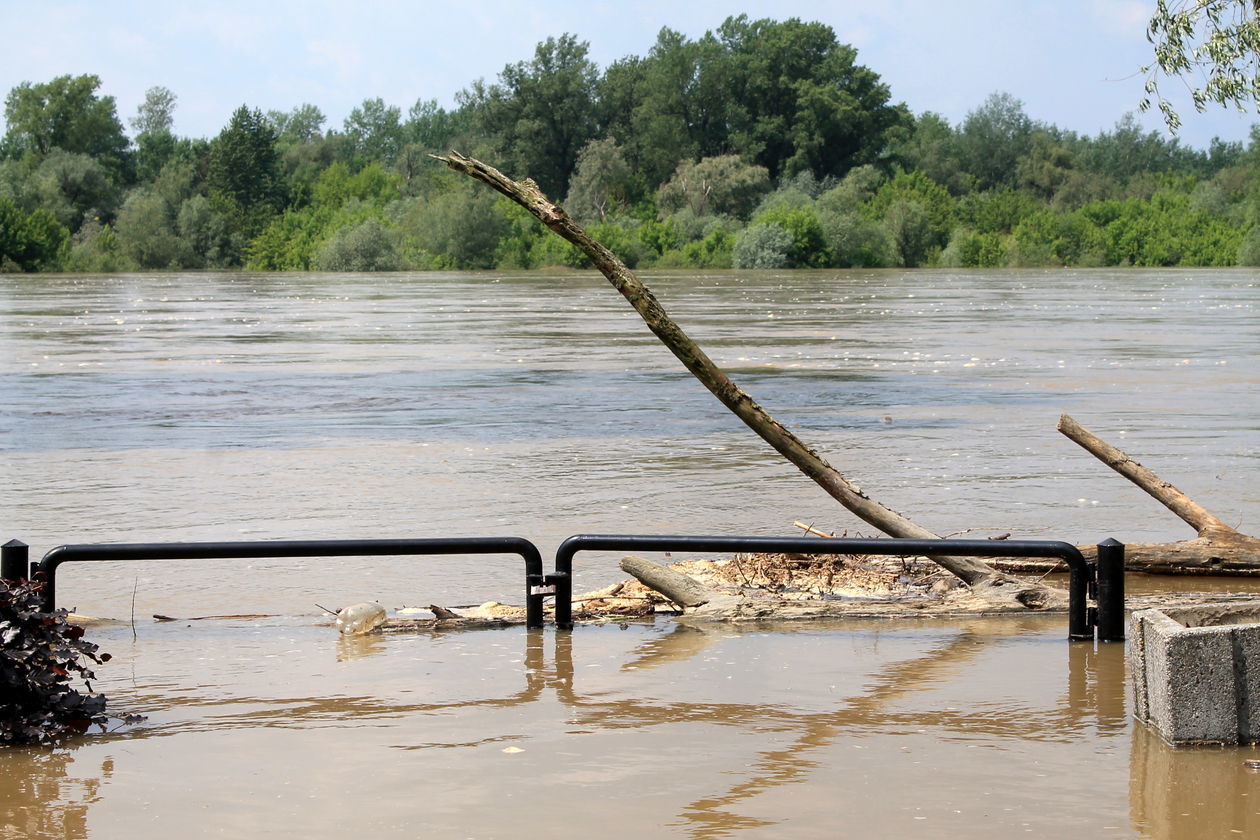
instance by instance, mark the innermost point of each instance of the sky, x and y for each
(1073, 63)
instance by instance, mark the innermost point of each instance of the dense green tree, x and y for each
(371, 184)
(290, 241)
(714, 250)
(244, 173)
(993, 139)
(1047, 167)
(147, 232)
(1163, 231)
(176, 183)
(75, 187)
(432, 127)
(1249, 247)
(809, 245)
(66, 114)
(541, 112)
(668, 106)
(855, 189)
(855, 241)
(910, 231)
(460, 228)
(855, 238)
(368, 246)
(207, 235)
(973, 249)
(996, 211)
(153, 151)
(1128, 150)
(924, 217)
(684, 226)
(932, 147)
(154, 124)
(95, 249)
(303, 124)
(1050, 238)
(796, 100)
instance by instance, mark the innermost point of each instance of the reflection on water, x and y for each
(45, 794)
(1186, 794)
(982, 728)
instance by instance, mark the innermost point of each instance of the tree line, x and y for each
(762, 144)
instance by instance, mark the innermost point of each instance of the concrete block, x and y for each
(1196, 672)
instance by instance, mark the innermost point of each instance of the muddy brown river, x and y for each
(182, 407)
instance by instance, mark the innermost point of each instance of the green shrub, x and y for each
(714, 251)
(809, 246)
(33, 241)
(762, 246)
(972, 249)
(367, 246)
(856, 241)
(1249, 249)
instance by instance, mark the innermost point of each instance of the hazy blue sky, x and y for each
(1073, 63)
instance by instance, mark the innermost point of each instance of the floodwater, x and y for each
(319, 406)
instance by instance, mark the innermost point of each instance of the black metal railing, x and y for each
(1082, 580)
(1103, 581)
(46, 569)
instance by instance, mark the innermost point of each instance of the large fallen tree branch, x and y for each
(980, 576)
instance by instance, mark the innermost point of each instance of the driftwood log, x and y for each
(1217, 550)
(683, 590)
(698, 602)
(985, 580)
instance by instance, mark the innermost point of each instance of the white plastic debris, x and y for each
(357, 619)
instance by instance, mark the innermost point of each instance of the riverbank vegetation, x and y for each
(760, 145)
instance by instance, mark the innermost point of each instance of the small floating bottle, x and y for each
(358, 619)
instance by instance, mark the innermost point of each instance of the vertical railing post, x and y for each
(1080, 584)
(15, 561)
(1111, 591)
(563, 584)
(535, 591)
